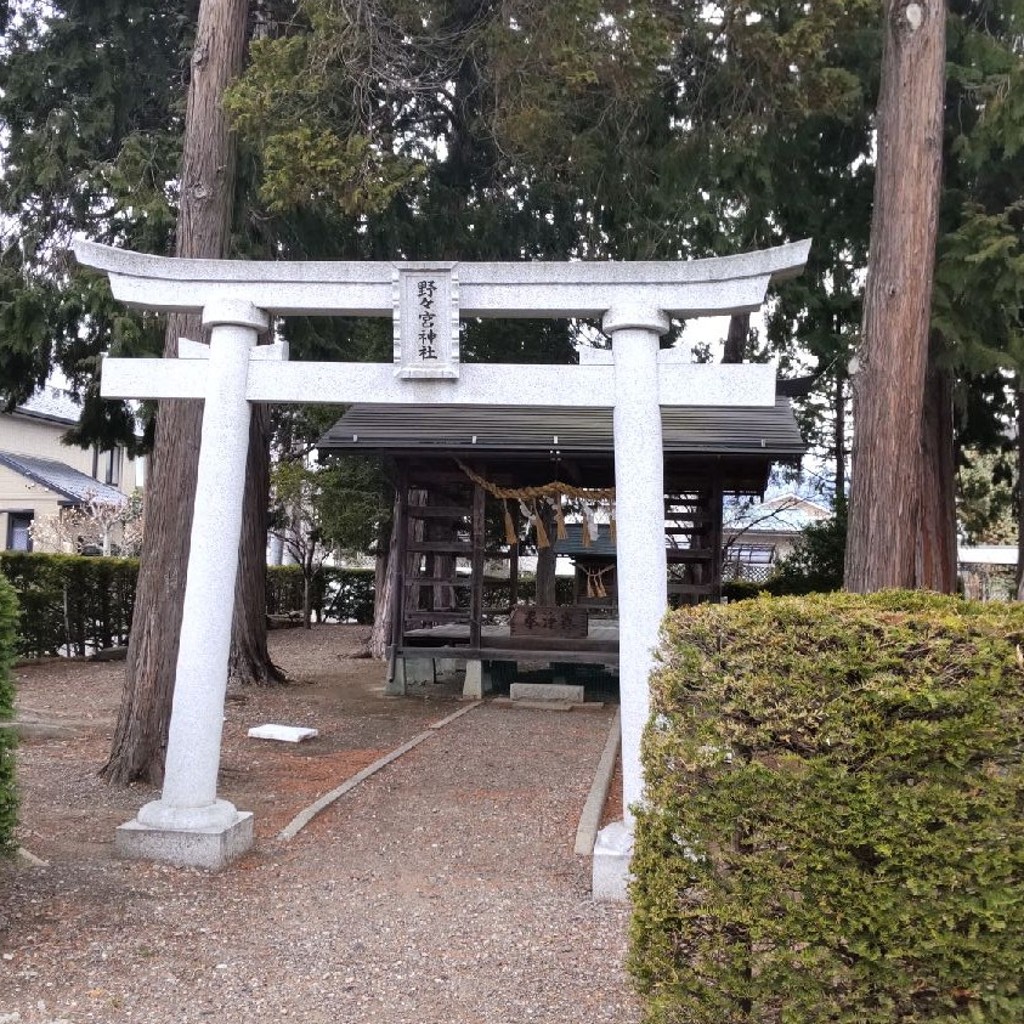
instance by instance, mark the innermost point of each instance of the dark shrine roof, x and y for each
(769, 432)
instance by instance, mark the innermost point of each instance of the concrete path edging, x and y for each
(304, 817)
(590, 818)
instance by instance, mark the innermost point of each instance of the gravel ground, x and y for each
(442, 889)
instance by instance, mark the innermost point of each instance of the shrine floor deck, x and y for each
(452, 640)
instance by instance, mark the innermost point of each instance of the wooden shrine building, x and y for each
(471, 479)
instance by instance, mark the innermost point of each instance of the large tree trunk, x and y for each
(546, 589)
(936, 540)
(885, 499)
(840, 435)
(384, 589)
(204, 221)
(250, 660)
(736, 340)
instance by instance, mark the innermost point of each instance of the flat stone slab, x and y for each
(283, 733)
(210, 848)
(546, 691)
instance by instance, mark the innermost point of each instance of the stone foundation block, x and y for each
(211, 848)
(477, 683)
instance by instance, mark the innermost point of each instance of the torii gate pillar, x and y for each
(189, 824)
(642, 570)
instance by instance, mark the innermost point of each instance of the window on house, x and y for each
(112, 468)
(107, 466)
(19, 535)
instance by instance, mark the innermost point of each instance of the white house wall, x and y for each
(18, 494)
(25, 435)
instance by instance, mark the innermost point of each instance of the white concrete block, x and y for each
(477, 681)
(546, 691)
(613, 852)
(284, 733)
(210, 848)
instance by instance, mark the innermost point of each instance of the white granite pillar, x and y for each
(188, 824)
(640, 559)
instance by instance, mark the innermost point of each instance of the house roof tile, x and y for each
(59, 477)
(52, 404)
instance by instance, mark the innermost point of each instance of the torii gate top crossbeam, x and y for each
(723, 285)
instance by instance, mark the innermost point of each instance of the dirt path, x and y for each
(442, 889)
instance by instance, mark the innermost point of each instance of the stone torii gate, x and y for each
(237, 300)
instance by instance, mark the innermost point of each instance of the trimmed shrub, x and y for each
(71, 604)
(835, 819)
(8, 796)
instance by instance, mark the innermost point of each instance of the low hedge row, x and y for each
(835, 821)
(344, 595)
(70, 604)
(8, 795)
(73, 604)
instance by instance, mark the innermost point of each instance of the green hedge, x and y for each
(78, 605)
(71, 603)
(345, 595)
(8, 796)
(835, 825)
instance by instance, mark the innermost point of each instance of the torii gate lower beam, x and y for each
(189, 824)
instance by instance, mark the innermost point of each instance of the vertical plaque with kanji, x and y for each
(426, 321)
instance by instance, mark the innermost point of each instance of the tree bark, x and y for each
(384, 589)
(840, 435)
(936, 538)
(203, 230)
(736, 340)
(888, 390)
(547, 593)
(250, 663)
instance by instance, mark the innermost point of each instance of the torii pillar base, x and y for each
(210, 848)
